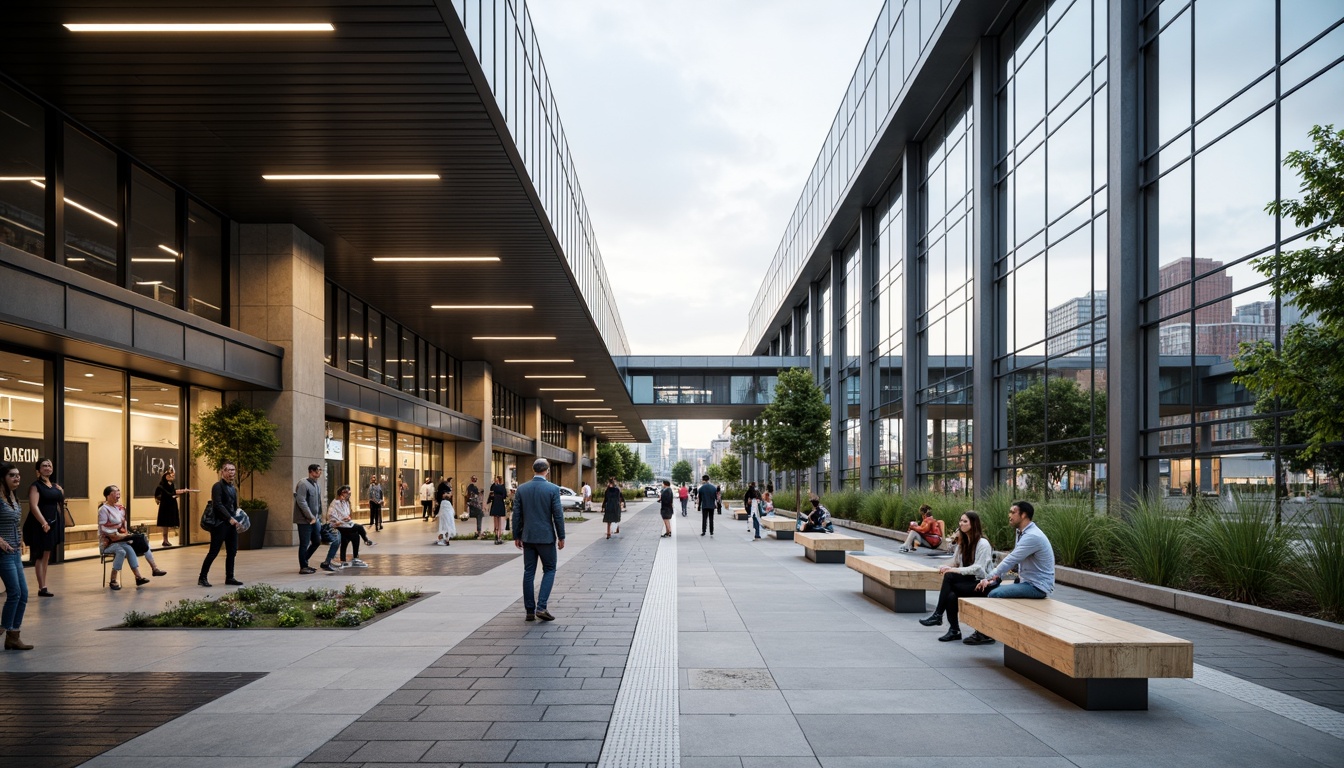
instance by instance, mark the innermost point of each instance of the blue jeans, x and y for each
(547, 553)
(1018, 590)
(756, 522)
(309, 540)
(121, 551)
(16, 589)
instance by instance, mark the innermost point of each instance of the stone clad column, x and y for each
(571, 475)
(280, 298)
(478, 397)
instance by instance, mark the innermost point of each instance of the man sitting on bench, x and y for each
(819, 519)
(1034, 559)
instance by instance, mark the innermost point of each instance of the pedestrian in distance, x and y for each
(427, 493)
(751, 501)
(587, 492)
(447, 522)
(223, 526)
(683, 495)
(170, 514)
(474, 508)
(376, 503)
(708, 496)
(539, 531)
(665, 508)
(308, 516)
(613, 504)
(1032, 557)
(11, 559)
(44, 529)
(499, 494)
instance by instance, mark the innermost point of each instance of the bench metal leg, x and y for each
(784, 535)
(826, 555)
(1091, 693)
(898, 600)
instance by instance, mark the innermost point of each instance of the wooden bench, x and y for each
(827, 547)
(1094, 661)
(896, 582)
(782, 526)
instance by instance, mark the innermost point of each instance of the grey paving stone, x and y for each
(502, 697)
(470, 751)
(879, 735)
(733, 703)
(728, 735)
(575, 697)
(393, 712)
(442, 698)
(593, 660)
(375, 731)
(557, 731)
(578, 712)
(552, 751)
(486, 712)
(537, 672)
(525, 683)
(334, 751)
(391, 751)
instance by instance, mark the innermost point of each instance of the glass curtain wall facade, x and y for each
(849, 342)
(1050, 189)
(1227, 90)
(356, 453)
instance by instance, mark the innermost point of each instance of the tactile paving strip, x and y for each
(644, 730)
(1304, 712)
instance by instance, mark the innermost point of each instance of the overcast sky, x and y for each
(693, 126)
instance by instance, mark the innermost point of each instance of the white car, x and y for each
(569, 499)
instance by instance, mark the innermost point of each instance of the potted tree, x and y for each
(234, 432)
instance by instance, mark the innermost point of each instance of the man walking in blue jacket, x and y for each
(538, 530)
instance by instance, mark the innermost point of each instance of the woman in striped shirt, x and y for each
(11, 561)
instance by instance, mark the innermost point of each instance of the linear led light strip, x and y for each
(68, 201)
(350, 176)
(427, 259)
(235, 27)
(480, 306)
(513, 338)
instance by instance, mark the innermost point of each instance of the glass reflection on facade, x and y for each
(92, 211)
(23, 174)
(889, 307)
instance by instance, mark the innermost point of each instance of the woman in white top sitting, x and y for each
(114, 538)
(338, 515)
(447, 523)
(971, 558)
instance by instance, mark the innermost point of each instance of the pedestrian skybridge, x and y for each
(740, 386)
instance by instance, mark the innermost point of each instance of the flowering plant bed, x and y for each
(262, 606)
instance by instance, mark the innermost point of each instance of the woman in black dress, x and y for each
(166, 495)
(498, 495)
(44, 528)
(613, 504)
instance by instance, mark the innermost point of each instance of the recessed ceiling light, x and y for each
(556, 360)
(513, 338)
(480, 306)
(592, 400)
(234, 27)
(568, 389)
(154, 261)
(556, 376)
(420, 259)
(351, 176)
(587, 409)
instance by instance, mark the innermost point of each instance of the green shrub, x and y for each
(327, 609)
(843, 504)
(893, 510)
(238, 617)
(1151, 544)
(349, 617)
(1076, 531)
(289, 617)
(315, 594)
(135, 619)
(1243, 554)
(1320, 563)
(870, 508)
(993, 509)
(255, 593)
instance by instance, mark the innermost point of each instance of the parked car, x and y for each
(651, 490)
(569, 499)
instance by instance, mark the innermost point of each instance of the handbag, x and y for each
(208, 515)
(69, 518)
(324, 533)
(139, 542)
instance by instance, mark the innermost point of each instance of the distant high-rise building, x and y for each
(662, 450)
(1069, 331)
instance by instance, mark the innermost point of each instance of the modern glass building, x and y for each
(368, 225)
(1060, 199)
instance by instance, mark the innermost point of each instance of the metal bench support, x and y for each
(898, 600)
(1091, 693)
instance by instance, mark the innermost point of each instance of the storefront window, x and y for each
(92, 215)
(23, 174)
(371, 454)
(155, 252)
(155, 434)
(22, 409)
(410, 474)
(94, 454)
(203, 475)
(334, 473)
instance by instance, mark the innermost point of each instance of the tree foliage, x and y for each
(796, 427)
(715, 473)
(1306, 375)
(731, 467)
(644, 473)
(233, 432)
(1056, 409)
(682, 472)
(609, 462)
(747, 438)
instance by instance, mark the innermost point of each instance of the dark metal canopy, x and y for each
(389, 91)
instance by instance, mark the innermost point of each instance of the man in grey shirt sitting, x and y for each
(1034, 559)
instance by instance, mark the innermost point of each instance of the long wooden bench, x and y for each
(782, 526)
(827, 547)
(896, 582)
(1094, 661)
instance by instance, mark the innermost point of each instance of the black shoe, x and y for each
(326, 567)
(702, 533)
(531, 617)
(44, 592)
(545, 616)
(950, 635)
(140, 582)
(978, 639)
(233, 582)
(201, 582)
(936, 620)
(304, 571)
(114, 586)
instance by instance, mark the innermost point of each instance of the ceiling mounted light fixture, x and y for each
(427, 259)
(480, 306)
(513, 338)
(556, 376)
(592, 400)
(350, 176)
(233, 27)
(568, 389)
(556, 360)
(576, 410)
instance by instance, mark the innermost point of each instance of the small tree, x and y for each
(609, 463)
(1307, 373)
(645, 473)
(795, 428)
(236, 433)
(731, 467)
(715, 473)
(682, 472)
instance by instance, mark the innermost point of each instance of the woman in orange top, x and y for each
(929, 532)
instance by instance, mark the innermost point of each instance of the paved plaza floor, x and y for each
(703, 652)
